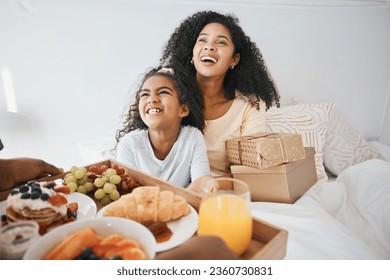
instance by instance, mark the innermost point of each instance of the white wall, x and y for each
(72, 63)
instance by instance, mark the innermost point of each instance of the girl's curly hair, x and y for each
(188, 94)
(250, 76)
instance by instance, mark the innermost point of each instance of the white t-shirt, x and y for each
(240, 120)
(186, 161)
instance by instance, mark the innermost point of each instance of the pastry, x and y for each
(43, 202)
(149, 204)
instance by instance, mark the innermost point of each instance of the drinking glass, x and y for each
(226, 213)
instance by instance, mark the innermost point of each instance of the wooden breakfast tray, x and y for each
(268, 242)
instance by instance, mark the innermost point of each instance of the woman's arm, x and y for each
(17, 170)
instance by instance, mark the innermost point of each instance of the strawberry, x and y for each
(58, 200)
(62, 189)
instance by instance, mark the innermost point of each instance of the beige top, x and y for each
(241, 119)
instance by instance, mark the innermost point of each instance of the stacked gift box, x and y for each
(276, 166)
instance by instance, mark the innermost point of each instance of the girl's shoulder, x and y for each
(190, 132)
(136, 135)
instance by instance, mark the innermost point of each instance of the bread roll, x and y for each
(149, 204)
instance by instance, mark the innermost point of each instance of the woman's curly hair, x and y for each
(250, 76)
(188, 94)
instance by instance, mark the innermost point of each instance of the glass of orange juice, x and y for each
(226, 213)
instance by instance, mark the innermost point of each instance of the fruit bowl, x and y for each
(103, 227)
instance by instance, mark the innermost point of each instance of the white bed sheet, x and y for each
(348, 218)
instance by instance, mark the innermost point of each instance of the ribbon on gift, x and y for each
(282, 146)
(247, 138)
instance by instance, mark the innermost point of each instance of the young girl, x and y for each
(162, 131)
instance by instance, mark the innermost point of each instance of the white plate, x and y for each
(86, 206)
(103, 227)
(182, 229)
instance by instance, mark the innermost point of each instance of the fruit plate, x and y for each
(86, 206)
(182, 229)
(103, 227)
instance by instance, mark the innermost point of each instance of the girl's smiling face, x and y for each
(159, 104)
(213, 51)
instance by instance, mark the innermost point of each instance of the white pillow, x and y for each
(310, 120)
(344, 147)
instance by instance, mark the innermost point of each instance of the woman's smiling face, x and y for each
(159, 104)
(213, 51)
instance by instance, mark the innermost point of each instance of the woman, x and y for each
(230, 72)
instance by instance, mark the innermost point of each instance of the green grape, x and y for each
(108, 187)
(115, 179)
(115, 195)
(88, 186)
(83, 180)
(99, 182)
(106, 178)
(70, 178)
(72, 186)
(74, 169)
(79, 174)
(82, 189)
(110, 171)
(84, 170)
(106, 200)
(99, 194)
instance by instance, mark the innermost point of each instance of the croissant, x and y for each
(149, 204)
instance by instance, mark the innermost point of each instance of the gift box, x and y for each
(284, 183)
(264, 150)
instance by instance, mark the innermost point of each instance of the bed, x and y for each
(346, 214)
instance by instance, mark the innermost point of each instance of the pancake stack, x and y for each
(43, 202)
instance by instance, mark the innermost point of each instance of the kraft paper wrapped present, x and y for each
(263, 150)
(284, 183)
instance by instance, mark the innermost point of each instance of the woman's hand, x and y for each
(17, 170)
(200, 248)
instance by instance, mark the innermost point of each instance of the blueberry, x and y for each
(36, 189)
(72, 214)
(24, 189)
(117, 258)
(44, 196)
(3, 218)
(14, 192)
(50, 185)
(25, 195)
(35, 195)
(30, 183)
(36, 185)
(93, 257)
(86, 253)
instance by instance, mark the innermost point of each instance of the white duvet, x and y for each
(348, 218)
